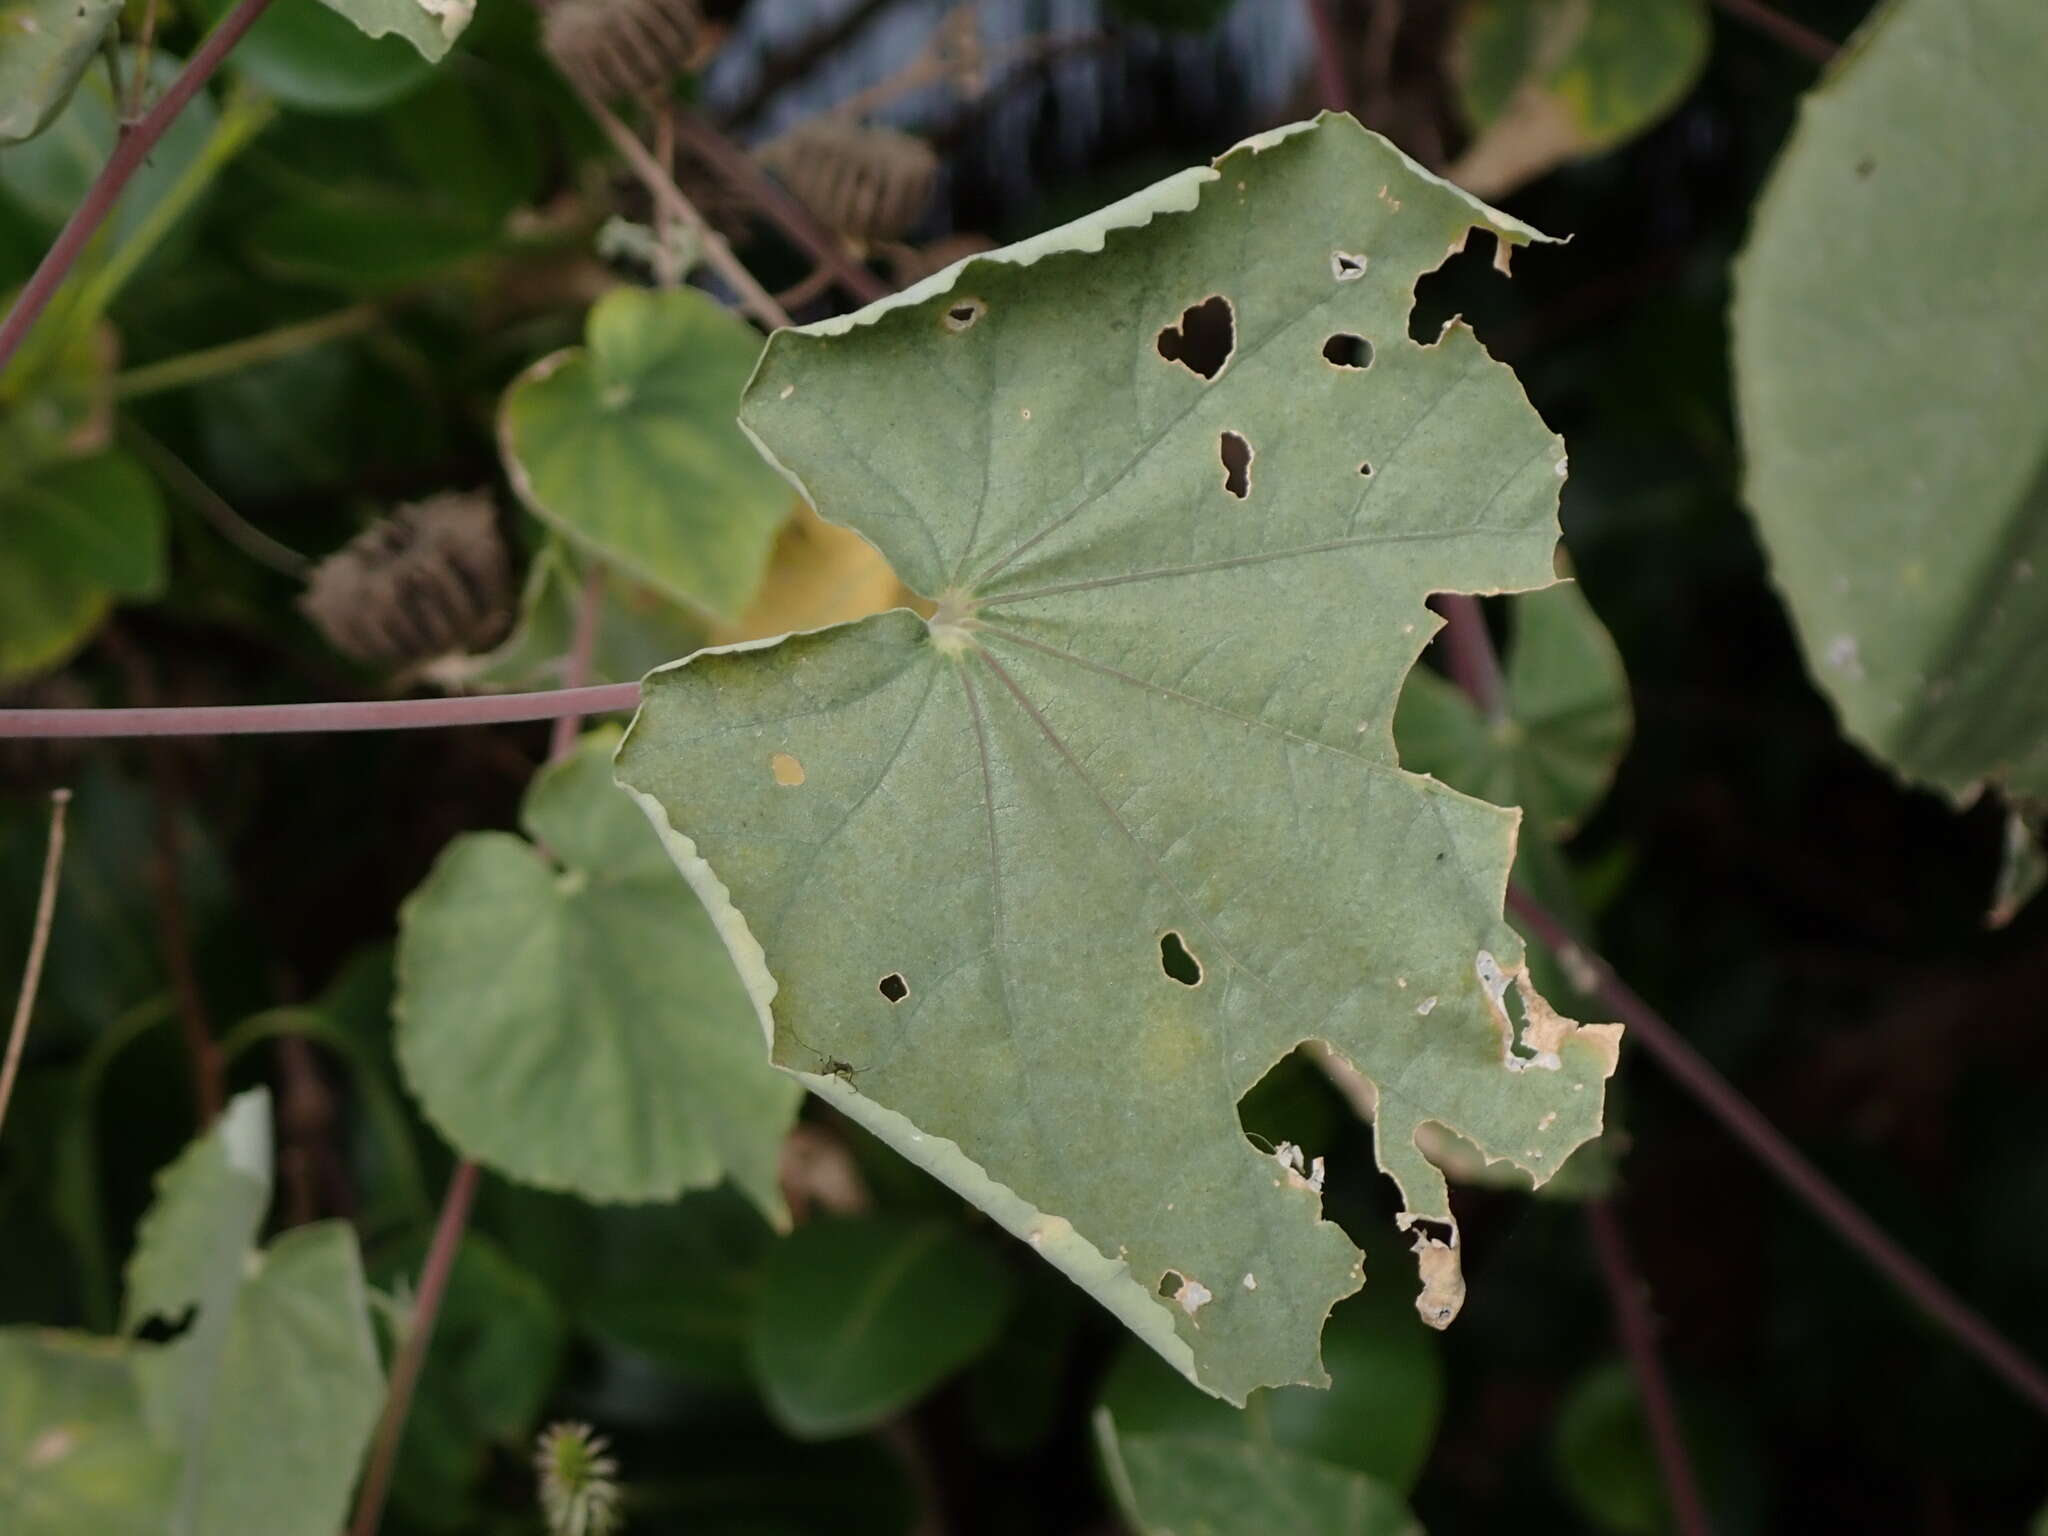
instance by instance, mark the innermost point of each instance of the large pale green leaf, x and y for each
(269, 1394)
(75, 1453)
(429, 25)
(45, 45)
(1190, 1485)
(569, 1017)
(962, 856)
(1893, 391)
(628, 445)
(858, 1318)
(77, 534)
(1546, 81)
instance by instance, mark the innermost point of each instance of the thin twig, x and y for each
(230, 357)
(209, 504)
(461, 1193)
(129, 110)
(1768, 1145)
(753, 298)
(782, 210)
(1797, 36)
(38, 946)
(129, 153)
(1331, 84)
(1638, 1332)
(174, 936)
(412, 1350)
(317, 719)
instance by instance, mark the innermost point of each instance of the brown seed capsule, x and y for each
(430, 579)
(870, 184)
(624, 47)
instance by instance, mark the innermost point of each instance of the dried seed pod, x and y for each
(624, 47)
(870, 184)
(428, 580)
(30, 763)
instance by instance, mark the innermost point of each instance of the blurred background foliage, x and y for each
(370, 251)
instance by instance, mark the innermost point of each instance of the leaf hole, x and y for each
(893, 987)
(1344, 350)
(1178, 961)
(165, 1328)
(1466, 286)
(1237, 465)
(1204, 339)
(787, 770)
(1171, 1282)
(1345, 267)
(962, 313)
(1365, 470)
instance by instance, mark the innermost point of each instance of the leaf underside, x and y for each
(1896, 434)
(1147, 712)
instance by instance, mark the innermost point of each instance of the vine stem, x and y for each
(1797, 36)
(130, 150)
(449, 1226)
(1638, 1333)
(753, 298)
(412, 1350)
(1331, 83)
(38, 947)
(341, 715)
(211, 362)
(1768, 1145)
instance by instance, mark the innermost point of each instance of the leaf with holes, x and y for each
(628, 446)
(567, 1015)
(269, 1394)
(1897, 446)
(1040, 880)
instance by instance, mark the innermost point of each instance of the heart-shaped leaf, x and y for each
(1041, 885)
(78, 533)
(858, 1318)
(269, 1395)
(628, 445)
(75, 1452)
(570, 1018)
(1190, 1485)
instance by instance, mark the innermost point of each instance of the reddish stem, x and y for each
(343, 715)
(1801, 39)
(412, 1350)
(130, 150)
(1331, 84)
(1768, 1145)
(1468, 653)
(1638, 1333)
